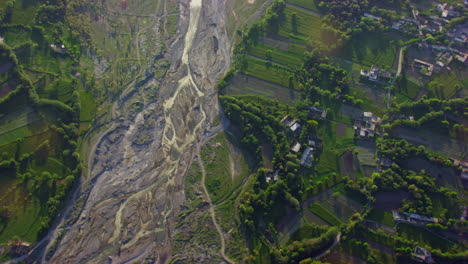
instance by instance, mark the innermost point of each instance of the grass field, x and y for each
(309, 4)
(308, 25)
(407, 87)
(323, 213)
(382, 217)
(88, 107)
(370, 49)
(224, 167)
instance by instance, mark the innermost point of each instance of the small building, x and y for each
(422, 64)
(396, 216)
(464, 216)
(386, 162)
(366, 126)
(372, 75)
(372, 16)
(288, 121)
(58, 48)
(270, 176)
(420, 218)
(317, 113)
(296, 127)
(296, 147)
(463, 58)
(422, 255)
(307, 157)
(276, 175)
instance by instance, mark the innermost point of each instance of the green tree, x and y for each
(294, 23)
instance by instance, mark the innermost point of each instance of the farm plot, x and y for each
(331, 202)
(308, 4)
(275, 55)
(337, 135)
(323, 213)
(268, 72)
(245, 84)
(349, 165)
(435, 142)
(308, 25)
(445, 176)
(389, 201)
(340, 257)
(341, 206)
(366, 152)
(424, 237)
(445, 85)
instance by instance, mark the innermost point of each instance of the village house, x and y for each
(270, 176)
(317, 113)
(375, 74)
(425, 68)
(464, 167)
(292, 124)
(413, 218)
(368, 15)
(366, 126)
(58, 48)
(464, 216)
(307, 156)
(447, 11)
(443, 59)
(386, 162)
(422, 255)
(296, 147)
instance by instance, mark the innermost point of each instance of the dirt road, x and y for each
(212, 209)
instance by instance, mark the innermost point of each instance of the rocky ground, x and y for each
(138, 165)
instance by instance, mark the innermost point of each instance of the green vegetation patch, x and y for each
(23, 10)
(444, 85)
(323, 213)
(424, 237)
